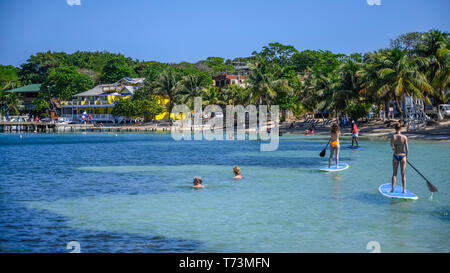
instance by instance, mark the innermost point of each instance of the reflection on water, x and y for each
(133, 193)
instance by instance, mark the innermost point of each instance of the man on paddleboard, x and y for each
(399, 144)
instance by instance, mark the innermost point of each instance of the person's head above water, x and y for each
(237, 172)
(197, 181)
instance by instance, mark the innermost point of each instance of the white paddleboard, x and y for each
(385, 190)
(340, 167)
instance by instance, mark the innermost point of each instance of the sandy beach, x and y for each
(379, 129)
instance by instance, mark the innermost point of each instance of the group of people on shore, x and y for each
(398, 142)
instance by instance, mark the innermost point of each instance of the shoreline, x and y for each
(373, 130)
(380, 130)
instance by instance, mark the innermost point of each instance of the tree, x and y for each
(152, 70)
(320, 61)
(41, 104)
(8, 77)
(277, 53)
(124, 107)
(167, 85)
(400, 76)
(211, 95)
(407, 41)
(116, 69)
(217, 64)
(63, 82)
(191, 86)
(264, 82)
(11, 102)
(434, 48)
(236, 94)
(148, 108)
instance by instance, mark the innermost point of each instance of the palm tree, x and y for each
(435, 49)
(11, 102)
(264, 82)
(401, 77)
(190, 87)
(370, 82)
(11, 85)
(211, 95)
(167, 84)
(235, 94)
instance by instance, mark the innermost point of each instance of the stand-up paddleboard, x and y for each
(341, 167)
(385, 190)
(354, 147)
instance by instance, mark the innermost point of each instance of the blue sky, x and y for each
(191, 30)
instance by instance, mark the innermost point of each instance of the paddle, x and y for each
(431, 187)
(322, 154)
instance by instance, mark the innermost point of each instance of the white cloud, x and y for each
(73, 2)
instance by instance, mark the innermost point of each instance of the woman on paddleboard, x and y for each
(399, 144)
(334, 144)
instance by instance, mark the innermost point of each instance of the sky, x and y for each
(192, 30)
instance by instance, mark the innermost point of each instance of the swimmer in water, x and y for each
(237, 172)
(399, 144)
(198, 182)
(335, 144)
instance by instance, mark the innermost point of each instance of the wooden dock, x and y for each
(27, 126)
(65, 128)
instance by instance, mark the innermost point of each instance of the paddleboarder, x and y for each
(334, 144)
(399, 144)
(354, 133)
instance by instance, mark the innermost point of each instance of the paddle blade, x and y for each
(322, 154)
(431, 187)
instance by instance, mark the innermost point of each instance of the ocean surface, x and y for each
(133, 193)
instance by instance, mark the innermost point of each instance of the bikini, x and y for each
(399, 157)
(334, 142)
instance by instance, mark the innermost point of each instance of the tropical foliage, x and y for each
(415, 64)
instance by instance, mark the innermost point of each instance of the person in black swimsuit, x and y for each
(399, 144)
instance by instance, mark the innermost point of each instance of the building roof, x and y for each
(132, 81)
(96, 91)
(36, 87)
(113, 88)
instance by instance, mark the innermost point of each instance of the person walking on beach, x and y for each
(399, 144)
(354, 133)
(334, 144)
(237, 172)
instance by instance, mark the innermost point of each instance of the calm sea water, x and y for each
(132, 193)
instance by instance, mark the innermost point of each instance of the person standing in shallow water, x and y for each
(399, 144)
(334, 144)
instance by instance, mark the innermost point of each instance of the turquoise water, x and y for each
(132, 193)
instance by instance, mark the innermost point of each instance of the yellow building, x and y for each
(99, 101)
